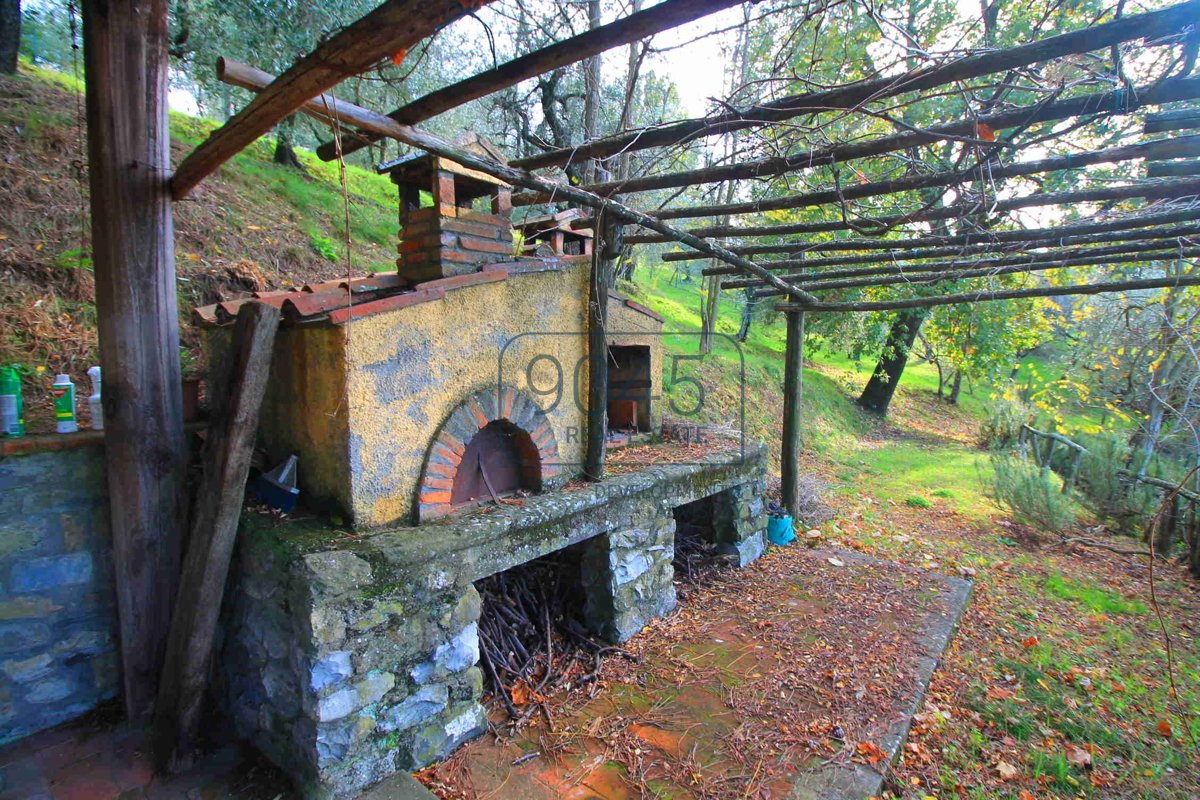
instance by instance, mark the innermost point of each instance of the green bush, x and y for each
(1032, 496)
(1124, 504)
(1002, 428)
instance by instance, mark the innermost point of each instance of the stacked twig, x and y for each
(532, 635)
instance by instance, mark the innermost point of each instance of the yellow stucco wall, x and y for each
(361, 403)
(411, 368)
(306, 411)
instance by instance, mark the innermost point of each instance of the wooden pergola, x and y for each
(133, 187)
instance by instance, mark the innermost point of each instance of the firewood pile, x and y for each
(532, 637)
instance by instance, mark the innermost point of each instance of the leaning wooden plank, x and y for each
(664, 16)
(1158, 24)
(327, 107)
(396, 25)
(214, 527)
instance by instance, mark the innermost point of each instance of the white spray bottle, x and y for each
(94, 405)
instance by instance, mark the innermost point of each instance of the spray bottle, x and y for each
(63, 392)
(94, 405)
(12, 404)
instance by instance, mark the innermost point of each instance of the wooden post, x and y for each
(125, 53)
(219, 503)
(793, 389)
(597, 340)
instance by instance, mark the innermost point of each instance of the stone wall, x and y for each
(349, 658)
(58, 651)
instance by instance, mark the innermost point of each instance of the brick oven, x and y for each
(413, 398)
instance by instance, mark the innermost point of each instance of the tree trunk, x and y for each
(10, 34)
(709, 306)
(591, 88)
(747, 316)
(955, 388)
(877, 395)
(285, 152)
(793, 417)
(125, 53)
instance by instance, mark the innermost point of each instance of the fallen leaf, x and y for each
(837, 562)
(870, 752)
(1030, 642)
(1007, 771)
(1026, 795)
(1078, 756)
(1164, 729)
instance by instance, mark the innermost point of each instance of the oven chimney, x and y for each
(453, 220)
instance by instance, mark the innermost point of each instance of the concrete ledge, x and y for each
(856, 781)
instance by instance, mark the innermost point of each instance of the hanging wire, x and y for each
(79, 165)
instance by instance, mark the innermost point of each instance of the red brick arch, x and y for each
(460, 427)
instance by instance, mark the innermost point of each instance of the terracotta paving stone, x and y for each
(786, 668)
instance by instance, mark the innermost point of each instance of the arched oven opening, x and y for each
(500, 460)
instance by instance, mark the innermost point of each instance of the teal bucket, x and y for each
(779, 531)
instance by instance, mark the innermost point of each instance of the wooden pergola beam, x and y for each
(818, 269)
(1080, 256)
(1109, 103)
(1154, 25)
(662, 17)
(327, 107)
(395, 25)
(924, 278)
(1151, 226)
(1164, 190)
(1104, 287)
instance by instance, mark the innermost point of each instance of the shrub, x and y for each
(324, 247)
(1128, 506)
(1032, 496)
(1002, 428)
(811, 500)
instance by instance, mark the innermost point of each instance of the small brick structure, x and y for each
(451, 236)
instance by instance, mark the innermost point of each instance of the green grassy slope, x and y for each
(254, 225)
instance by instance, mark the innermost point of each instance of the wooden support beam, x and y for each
(920, 277)
(133, 250)
(916, 250)
(1173, 169)
(840, 194)
(984, 296)
(327, 107)
(987, 207)
(870, 276)
(219, 500)
(791, 441)
(604, 258)
(394, 26)
(664, 16)
(1107, 103)
(1153, 26)
(1166, 121)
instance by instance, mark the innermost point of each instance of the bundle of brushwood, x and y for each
(532, 638)
(695, 556)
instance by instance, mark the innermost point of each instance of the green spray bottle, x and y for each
(12, 404)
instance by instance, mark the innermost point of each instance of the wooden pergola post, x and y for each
(603, 261)
(125, 52)
(793, 389)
